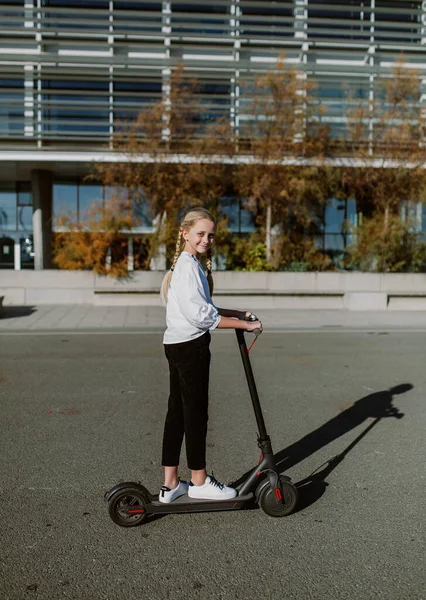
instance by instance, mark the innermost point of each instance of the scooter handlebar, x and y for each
(256, 332)
(251, 317)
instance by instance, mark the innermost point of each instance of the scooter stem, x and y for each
(263, 436)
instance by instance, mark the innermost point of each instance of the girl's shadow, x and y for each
(375, 406)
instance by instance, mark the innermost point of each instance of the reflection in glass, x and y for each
(141, 210)
(352, 220)
(11, 14)
(248, 221)
(141, 216)
(11, 119)
(89, 196)
(339, 217)
(25, 196)
(240, 220)
(64, 202)
(334, 215)
(333, 242)
(25, 218)
(230, 208)
(8, 207)
(27, 252)
(118, 193)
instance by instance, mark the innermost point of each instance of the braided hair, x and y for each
(188, 222)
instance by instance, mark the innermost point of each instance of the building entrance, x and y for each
(7, 256)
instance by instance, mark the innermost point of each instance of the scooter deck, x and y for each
(185, 504)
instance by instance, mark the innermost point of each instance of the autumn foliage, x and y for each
(280, 159)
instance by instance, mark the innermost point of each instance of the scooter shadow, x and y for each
(372, 408)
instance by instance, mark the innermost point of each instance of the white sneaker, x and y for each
(211, 490)
(167, 495)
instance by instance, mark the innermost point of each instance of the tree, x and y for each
(168, 166)
(283, 134)
(398, 247)
(386, 139)
(87, 244)
(169, 158)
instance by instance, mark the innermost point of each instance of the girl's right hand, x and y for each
(252, 325)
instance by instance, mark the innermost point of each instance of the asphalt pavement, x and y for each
(83, 410)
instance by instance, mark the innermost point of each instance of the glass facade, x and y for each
(79, 202)
(8, 208)
(15, 207)
(7, 260)
(16, 225)
(338, 218)
(71, 71)
(65, 202)
(239, 219)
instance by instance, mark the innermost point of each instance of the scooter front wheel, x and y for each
(127, 507)
(273, 507)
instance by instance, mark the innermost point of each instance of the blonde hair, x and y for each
(190, 219)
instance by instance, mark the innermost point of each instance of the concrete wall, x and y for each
(352, 291)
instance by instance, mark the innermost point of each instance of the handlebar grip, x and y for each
(251, 317)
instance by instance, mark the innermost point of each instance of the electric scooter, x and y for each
(130, 503)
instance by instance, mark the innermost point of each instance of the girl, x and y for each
(190, 316)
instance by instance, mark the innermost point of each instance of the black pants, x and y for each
(189, 364)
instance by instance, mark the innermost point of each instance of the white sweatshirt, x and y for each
(190, 310)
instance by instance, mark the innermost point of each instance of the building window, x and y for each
(240, 220)
(190, 19)
(398, 22)
(12, 106)
(266, 20)
(214, 99)
(76, 20)
(27, 252)
(25, 207)
(76, 202)
(90, 196)
(75, 107)
(8, 204)
(12, 14)
(92, 4)
(65, 202)
(339, 216)
(130, 97)
(16, 212)
(7, 257)
(137, 17)
(339, 20)
(141, 211)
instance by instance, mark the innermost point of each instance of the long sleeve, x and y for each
(193, 298)
(190, 311)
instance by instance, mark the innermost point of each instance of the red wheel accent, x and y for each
(280, 500)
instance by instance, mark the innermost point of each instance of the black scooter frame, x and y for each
(264, 474)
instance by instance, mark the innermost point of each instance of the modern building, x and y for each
(71, 69)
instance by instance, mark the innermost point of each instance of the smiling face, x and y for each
(199, 238)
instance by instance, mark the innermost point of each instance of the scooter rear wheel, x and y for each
(127, 507)
(269, 504)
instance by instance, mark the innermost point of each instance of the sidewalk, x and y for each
(57, 318)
